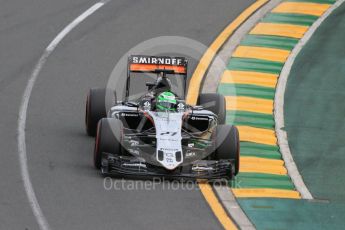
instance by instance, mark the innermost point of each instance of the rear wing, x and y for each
(156, 64)
(152, 64)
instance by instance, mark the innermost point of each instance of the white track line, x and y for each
(37, 211)
(279, 106)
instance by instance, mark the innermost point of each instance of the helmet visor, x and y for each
(165, 105)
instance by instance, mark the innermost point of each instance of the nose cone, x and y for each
(169, 159)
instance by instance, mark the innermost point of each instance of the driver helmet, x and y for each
(166, 101)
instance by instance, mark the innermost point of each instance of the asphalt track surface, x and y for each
(69, 190)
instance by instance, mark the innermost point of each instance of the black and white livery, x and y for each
(159, 134)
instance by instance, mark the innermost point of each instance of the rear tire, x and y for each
(214, 102)
(228, 145)
(97, 102)
(108, 139)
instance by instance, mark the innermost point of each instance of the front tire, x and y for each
(228, 145)
(97, 102)
(108, 139)
(215, 103)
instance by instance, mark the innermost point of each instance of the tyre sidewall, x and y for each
(215, 103)
(227, 142)
(97, 102)
(108, 139)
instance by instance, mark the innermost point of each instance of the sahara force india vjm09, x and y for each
(159, 134)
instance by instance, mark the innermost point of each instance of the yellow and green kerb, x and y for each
(249, 84)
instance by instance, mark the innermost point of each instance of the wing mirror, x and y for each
(150, 85)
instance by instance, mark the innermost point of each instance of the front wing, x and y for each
(130, 166)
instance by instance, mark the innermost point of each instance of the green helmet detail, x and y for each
(166, 101)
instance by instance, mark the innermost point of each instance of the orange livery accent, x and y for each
(153, 67)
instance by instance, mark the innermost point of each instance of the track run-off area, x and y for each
(269, 187)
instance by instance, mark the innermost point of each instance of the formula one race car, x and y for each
(159, 134)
